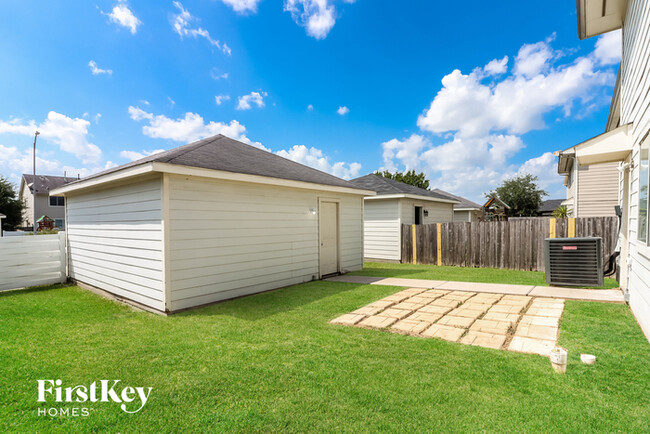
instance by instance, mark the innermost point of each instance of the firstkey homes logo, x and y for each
(131, 399)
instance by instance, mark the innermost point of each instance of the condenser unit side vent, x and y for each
(574, 261)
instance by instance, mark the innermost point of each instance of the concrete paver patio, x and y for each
(502, 321)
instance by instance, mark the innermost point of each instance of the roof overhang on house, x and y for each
(614, 145)
(177, 169)
(411, 196)
(599, 16)
(468, 209)
(614, 116)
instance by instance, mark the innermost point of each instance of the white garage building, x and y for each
(395, 204)
(208, 221)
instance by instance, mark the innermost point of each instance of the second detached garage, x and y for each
(208, 221)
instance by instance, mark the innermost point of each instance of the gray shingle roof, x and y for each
(464, 203)
(550, 205)
(384, 186)
(45, 183)
(222, 153)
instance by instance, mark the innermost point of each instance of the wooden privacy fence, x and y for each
(32, 260)
(516, 244)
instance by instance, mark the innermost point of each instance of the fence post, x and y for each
(572, 227)
(415, 246)
(552, 227)
(63, 257)
(439, 239)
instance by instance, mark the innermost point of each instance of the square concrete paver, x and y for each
(377, 322)
(488, 340)
(482, 319)
(348, 319)
(411, 326)
(447, 333)
(532, 346)
(456, 321)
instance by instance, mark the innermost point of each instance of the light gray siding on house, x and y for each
(635, 107)
(228, 239)
(382, 229)
(597, 190)
(115, 240)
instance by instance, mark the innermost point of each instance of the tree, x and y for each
(410, 177)
(521, 193)
(10, 205)
(561, 212)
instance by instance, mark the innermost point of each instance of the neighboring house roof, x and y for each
(46, 183)
(389, 187)
(217, 153)
(464, 205)
(548, 206)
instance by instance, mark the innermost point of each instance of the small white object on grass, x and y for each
(589, 359)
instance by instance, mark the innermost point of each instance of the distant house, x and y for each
(591, 172)
(395, 204)
(209, 221)
(51, 206)
(548, 206)
(465, 210)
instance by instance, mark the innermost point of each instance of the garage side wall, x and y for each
(439, 212)
(115, 240)
(229, 239)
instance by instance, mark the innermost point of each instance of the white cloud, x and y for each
(98, 116)
(481, 117)
(608, 48)
(133, 155)
(122, 16)
(242, 6)
(172, 103)
(316, 16)
(246, 102)
(71, 134)
(181, 25)
(219, 99)
(189, 128)
(216, 76)
(96, 70)
(314, 157)
(496, 66)
(343, 110)
(310, 107)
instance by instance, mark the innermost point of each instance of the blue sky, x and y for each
(470, 93)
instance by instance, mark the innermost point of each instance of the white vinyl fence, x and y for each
(32, 260)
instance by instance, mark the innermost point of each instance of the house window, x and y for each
(418, 215)
(59, 223)
(57, 201)
(644, 173)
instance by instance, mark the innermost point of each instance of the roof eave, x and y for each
(411, 196)
(604, 16)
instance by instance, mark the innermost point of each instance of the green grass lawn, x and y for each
(460, 274)
(271, 362)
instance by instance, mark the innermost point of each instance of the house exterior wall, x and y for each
(571, 188)
(466, 216)
(382, 233)
(228, 239)
(635, 108)
(42, 207)
(439, 212)
(115, 240)
(597, 190)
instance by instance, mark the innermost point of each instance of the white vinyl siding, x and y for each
(439, 212)
(597, 190)
(229, 239)
(115, 240)
(382, 230)
(635, 108)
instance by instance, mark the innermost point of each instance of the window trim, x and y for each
(57, 200)
(645, 241)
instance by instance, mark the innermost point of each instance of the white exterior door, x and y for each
(329, 238)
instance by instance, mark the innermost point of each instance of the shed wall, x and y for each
(382, 230)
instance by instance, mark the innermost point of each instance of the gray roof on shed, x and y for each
(222, 153)
(464, 203)
(45, 183)
(385, 186)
